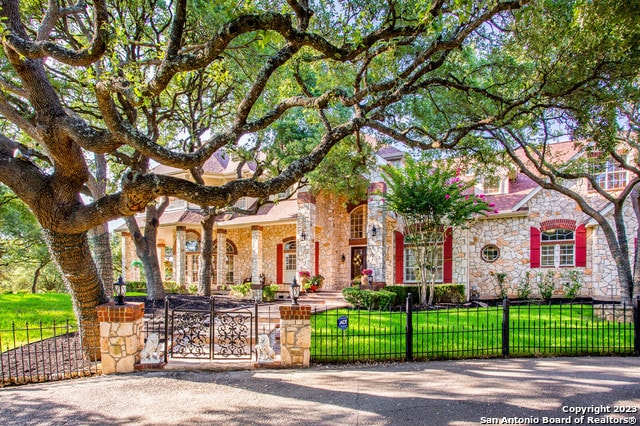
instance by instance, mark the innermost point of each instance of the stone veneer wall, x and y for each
(376, 244)
(512, 236)
(121, 336)
(295, 335)
(332, 222)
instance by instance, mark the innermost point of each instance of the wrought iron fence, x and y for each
(43, 352)
(346, 335)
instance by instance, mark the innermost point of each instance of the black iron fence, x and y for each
(41, 353)
(506, 329)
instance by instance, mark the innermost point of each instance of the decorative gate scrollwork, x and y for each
(192, 334)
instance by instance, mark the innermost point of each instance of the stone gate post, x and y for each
(121, 336)
(295, 335)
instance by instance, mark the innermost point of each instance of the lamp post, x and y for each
(120, 288)
(295, 291)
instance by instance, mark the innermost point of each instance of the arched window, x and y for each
(192, 243)
(358, 223)
(558, 243)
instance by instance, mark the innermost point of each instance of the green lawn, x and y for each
(465, 333)
(20, 311)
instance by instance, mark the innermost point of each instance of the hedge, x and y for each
(391, 296)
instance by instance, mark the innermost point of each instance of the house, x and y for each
(535, 231)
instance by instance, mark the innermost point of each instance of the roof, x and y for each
(282, 212)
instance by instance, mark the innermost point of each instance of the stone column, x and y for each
(256, 253)
(121, 336)
(180, 257)
(295, 335)
(128, 256)
(377, 244)
(221, 256)
(305, 256)
(160, 249)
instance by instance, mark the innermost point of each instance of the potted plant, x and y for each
(366, 277)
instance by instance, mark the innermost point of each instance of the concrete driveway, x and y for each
(511, 391)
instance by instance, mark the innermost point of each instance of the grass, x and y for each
(534, 330)
(20, 311)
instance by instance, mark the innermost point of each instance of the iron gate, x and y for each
(213, 333)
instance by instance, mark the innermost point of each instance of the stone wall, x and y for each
(295, 335)
(332, 221)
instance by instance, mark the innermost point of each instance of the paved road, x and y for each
(433, 393)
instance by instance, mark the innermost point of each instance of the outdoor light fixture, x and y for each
(342, 258)
(374, 231)
(303, 236)
(120, 288)
(295, 291)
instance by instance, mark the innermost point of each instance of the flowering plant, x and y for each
(367, 272)
(304, 274)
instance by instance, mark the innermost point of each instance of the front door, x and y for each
(358, 260)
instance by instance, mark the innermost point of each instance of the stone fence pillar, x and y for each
(295, 335)
(121, 337)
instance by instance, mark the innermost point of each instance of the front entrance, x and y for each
(358, 260)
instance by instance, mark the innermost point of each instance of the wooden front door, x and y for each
(358, 260)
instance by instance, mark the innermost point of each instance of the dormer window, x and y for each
(492, 184)
(241, 203)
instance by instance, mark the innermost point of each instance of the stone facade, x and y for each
(121, 336)
(320, 225)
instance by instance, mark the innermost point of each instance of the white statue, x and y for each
(265, 351)
(149, 355)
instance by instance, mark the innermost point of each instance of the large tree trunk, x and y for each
(146, 250)
(101, 243)
(72, 256)
(205, 268)
(100, 238)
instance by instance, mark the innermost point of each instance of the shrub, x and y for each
(137, 286)
(172, 287)
(240, 291)
(269, 292)
(524, 287)
(402, 292)
(386, 299)
(572, 284)
(448, 293)
(353, 296)
(546, 284)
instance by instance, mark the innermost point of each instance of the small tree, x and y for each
(431, 199)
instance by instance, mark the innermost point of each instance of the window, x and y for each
(290, 260)
(192, 243)
(490, 253)
(558, 248)
(610, 175)
(492, 184)
(241, 203)
(410, 263)
(230, 260)
(358, 223)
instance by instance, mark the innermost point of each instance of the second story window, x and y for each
(491, 184)
(610, 175)
(358, 223)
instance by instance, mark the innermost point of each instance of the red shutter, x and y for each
(534, 248)
(279, 264)
(581, 246)
(447, 269)
(399, 257)
(317, 258)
